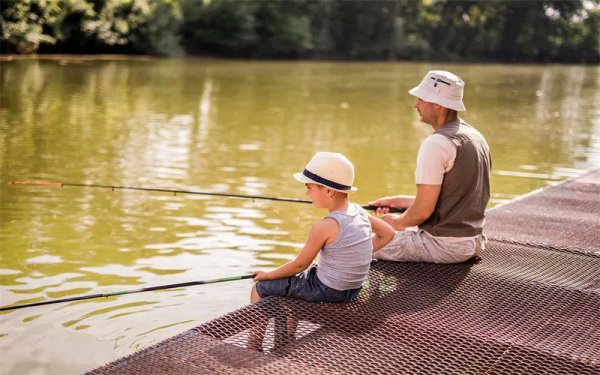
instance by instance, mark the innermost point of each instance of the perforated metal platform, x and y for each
(530, 305)
(565, 216)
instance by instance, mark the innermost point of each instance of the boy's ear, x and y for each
(330, 193)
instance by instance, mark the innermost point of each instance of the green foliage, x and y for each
(248, 28)
(91, 26)
(159, 34)
(455, 30)
(543, 30)
(220, 27)
(282, 28)
(70, 28)
(26, 24)
(362, 29)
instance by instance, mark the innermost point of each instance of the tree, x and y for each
(453, 30)
(26, 24)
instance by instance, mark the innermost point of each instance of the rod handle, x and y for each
(371, 207)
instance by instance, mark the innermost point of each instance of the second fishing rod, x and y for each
(175, 192)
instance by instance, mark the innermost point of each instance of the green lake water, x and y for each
(222, 126)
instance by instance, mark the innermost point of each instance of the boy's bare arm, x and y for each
(323, 231)
(383, 232)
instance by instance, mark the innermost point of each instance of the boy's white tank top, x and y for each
(344, 263)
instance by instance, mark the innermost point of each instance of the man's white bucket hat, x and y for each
(330, 169)
(443, 88)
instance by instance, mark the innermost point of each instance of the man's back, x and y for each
(465, 191)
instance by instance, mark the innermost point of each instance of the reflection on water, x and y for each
(222, 126)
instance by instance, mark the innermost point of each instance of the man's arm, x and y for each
(419, 211)
(435, 158)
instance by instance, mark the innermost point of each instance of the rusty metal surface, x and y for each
(518, 309)
(567, 216)
(529, 305)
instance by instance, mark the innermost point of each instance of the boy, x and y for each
(343, 239)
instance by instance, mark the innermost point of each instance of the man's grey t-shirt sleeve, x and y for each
(435, 158)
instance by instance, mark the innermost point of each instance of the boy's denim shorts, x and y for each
(305, 286)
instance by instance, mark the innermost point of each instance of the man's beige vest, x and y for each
(465, 192)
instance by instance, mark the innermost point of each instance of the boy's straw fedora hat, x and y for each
(330, 169)
(443, 88)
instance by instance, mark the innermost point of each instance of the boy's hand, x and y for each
(391, 219)
(382, 211)
(260, 276)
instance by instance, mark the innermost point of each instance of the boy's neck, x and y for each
(339, 204)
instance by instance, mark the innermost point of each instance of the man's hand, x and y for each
(398, 201)
(260, 276)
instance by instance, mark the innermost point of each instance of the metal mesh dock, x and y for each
(531, 304)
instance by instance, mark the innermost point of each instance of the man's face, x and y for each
(427, 111)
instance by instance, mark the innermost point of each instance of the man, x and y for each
(453, 182)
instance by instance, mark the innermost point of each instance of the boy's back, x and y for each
(344, 263)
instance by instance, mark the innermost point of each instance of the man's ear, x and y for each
(442, 110)
(330, 192)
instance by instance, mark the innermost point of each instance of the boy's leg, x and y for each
(254, 296)
(292, 325)
(259, 290)
(256, 336)
(257, 332)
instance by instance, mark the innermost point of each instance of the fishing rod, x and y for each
(175, 192)
(131, 291)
